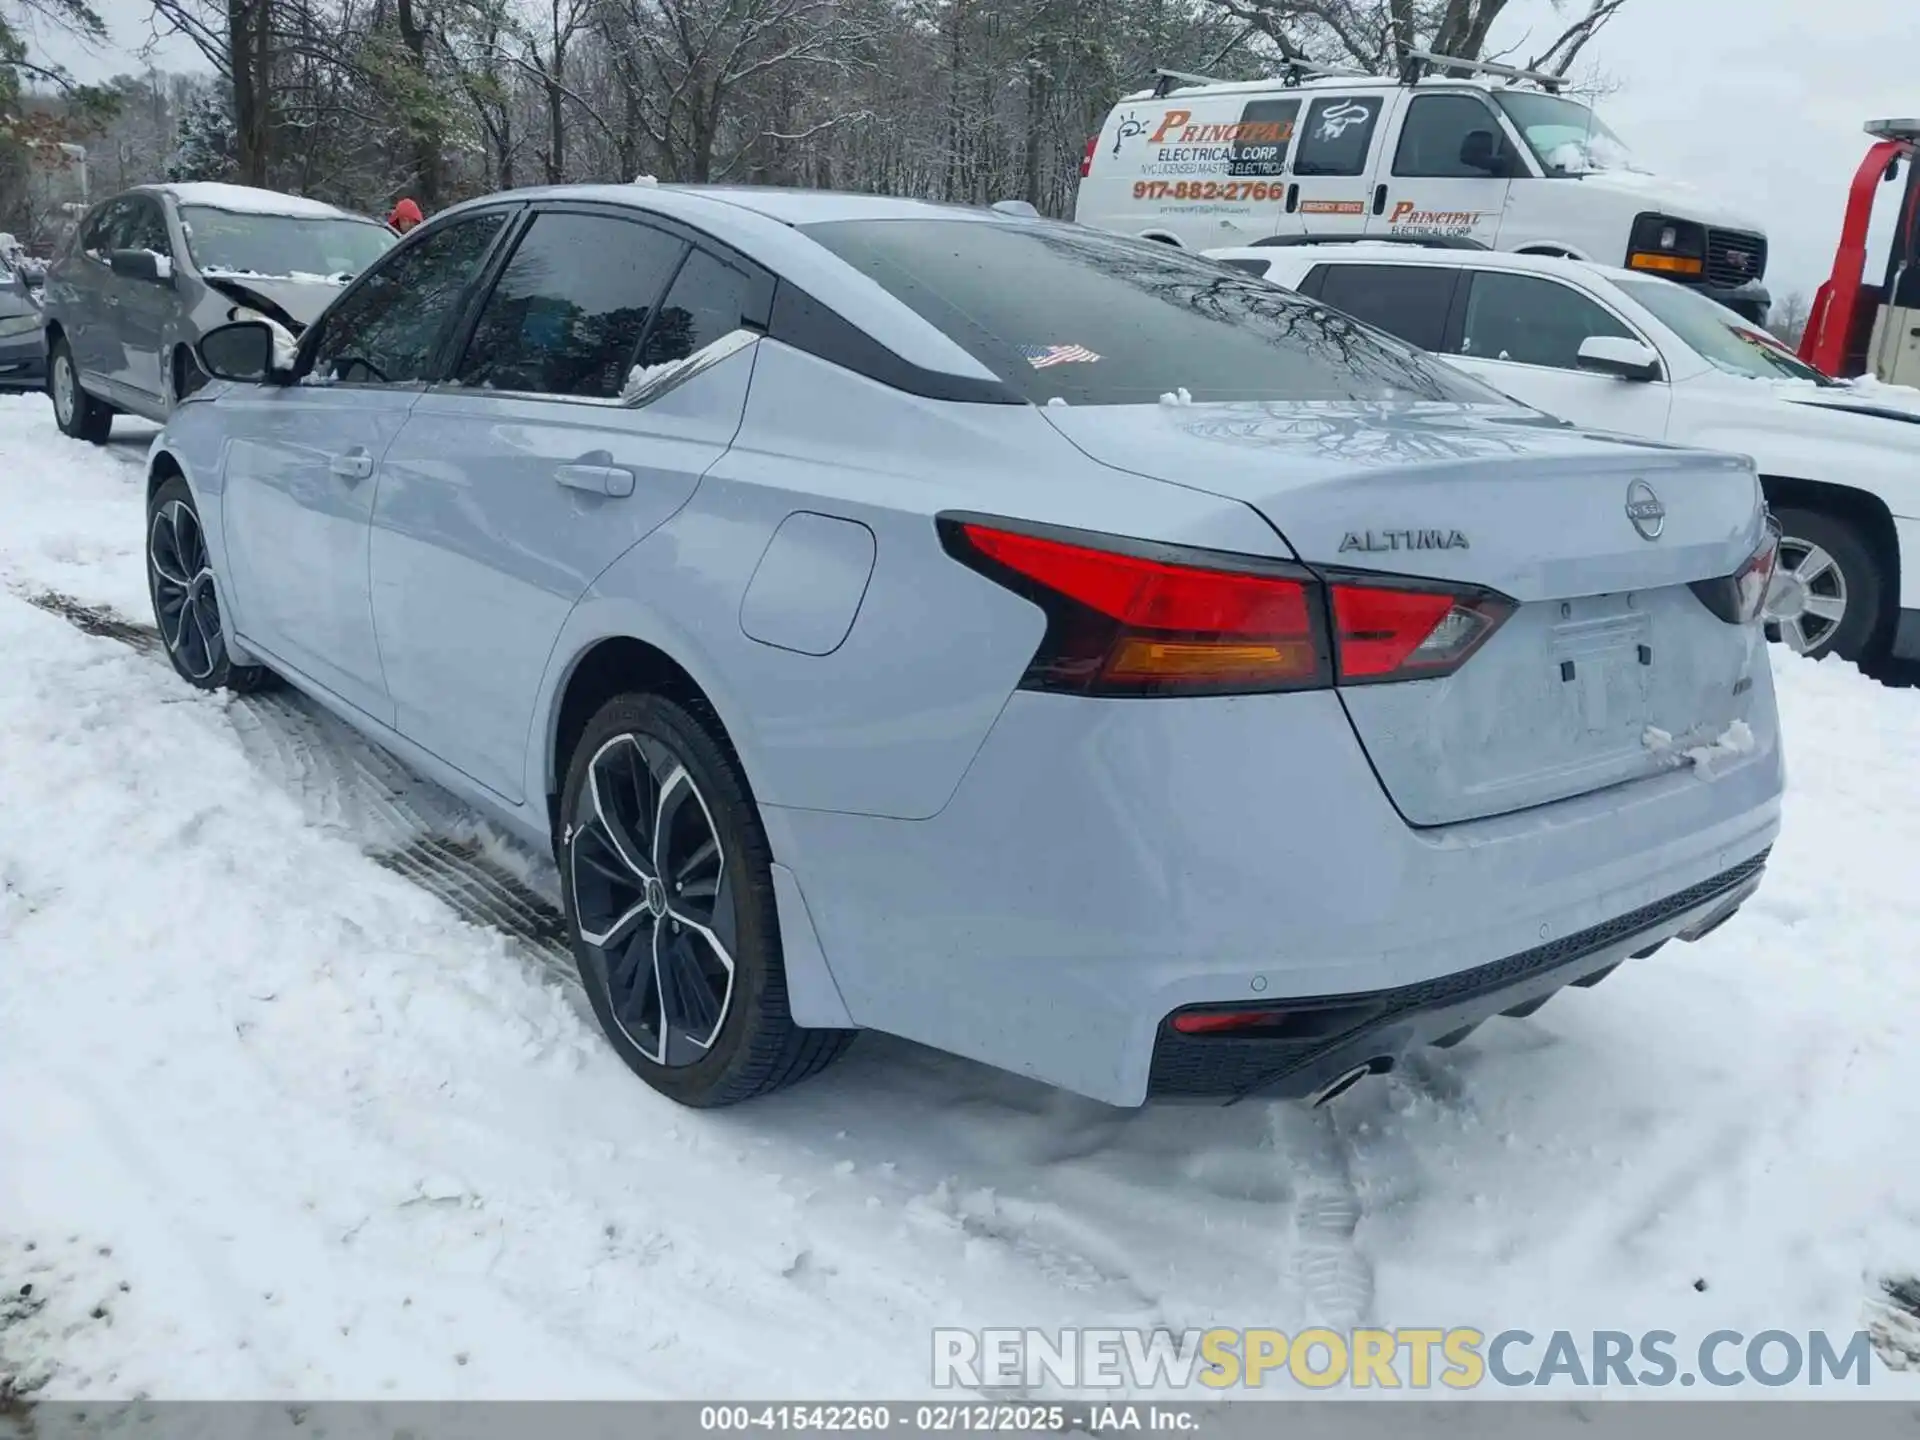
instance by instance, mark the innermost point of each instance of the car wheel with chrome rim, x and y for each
(668, 888)
(1826, 595)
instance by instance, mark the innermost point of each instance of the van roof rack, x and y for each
(1426, 59)
(1290, 72)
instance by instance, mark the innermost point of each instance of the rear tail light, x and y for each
(1740, 598)
(1086, 156)
(1408, 630)
(1129, 617)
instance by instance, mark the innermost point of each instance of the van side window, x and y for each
(1530, 320)
(1338, 136)
(1407, 301)
(1434, 138)
(1260, 145)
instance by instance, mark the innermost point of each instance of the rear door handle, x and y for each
(611, 480)
(356, 464)
(1379, 199)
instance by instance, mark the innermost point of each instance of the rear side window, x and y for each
(708, 300)
(387, 329)
(568, 312)
(1247, 265)
(1057, 311)
(1338, 136)
(1434, 137)
(1531, 321)
(1260, 142)
(1410, 301)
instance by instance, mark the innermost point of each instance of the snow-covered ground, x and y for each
(276, 1121)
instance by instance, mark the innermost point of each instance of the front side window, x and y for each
(145, 229)
(1434, 138)
(1565, 136)
(386, 331)
(1532, 321)
(568, 312)
(1057, 311)
(1723, 339)
(1338, 136)
(1410, 301)
(97, 236)
(232, 242)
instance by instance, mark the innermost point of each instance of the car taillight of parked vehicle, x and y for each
(1086, 156)
(1130, 617)
(1740, 597)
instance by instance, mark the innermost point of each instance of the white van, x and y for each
(1500, 159)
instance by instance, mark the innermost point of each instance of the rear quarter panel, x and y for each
(886, 723)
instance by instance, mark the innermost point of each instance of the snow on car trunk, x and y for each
(278, 1123)
(1599, 540)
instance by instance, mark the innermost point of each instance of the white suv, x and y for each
(1608, 349)
(1514, 166)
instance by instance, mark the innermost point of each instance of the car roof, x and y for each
(1328, 84)
(1374, 251)
(244, 199)
(760, 223)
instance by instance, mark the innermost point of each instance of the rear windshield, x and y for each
(1060, 312)
(235, 242)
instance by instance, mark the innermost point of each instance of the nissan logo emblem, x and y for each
(1644, 509)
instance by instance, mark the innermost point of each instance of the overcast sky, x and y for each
(1759, 101)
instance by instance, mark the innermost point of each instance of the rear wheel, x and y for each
(1827, 597)
(76, 412)
(669, 894)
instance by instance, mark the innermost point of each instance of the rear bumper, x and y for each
(1106, 863)
(1314, 1045)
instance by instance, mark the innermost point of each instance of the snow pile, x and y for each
(279, 1124)
(1180, 397)
(641, 377)
(1736, 740)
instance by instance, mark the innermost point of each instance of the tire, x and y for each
(730, 1036)
(186, 602)
(77, 413)
(1826, 563)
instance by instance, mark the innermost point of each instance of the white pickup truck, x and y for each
(1616, 350)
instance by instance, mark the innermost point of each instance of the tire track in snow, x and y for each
(349, 786)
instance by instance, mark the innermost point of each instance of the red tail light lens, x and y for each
(1086, 157)
(1129, 618)
(1212, 1022)
(1740, 598)
(1407, 631)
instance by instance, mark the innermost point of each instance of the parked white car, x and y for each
(1613, 350)
(1499, 157)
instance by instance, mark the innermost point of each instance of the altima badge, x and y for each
(1403, 540)
(1644, 509)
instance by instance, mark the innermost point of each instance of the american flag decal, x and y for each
(1041, 356)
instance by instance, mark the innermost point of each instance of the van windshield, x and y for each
(1566, 137)
(1063, 313)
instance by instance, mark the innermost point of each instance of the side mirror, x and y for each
(241, 351)
(1620, 357)
(142, 265)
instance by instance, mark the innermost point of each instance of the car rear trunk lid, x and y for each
(1609, 669)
